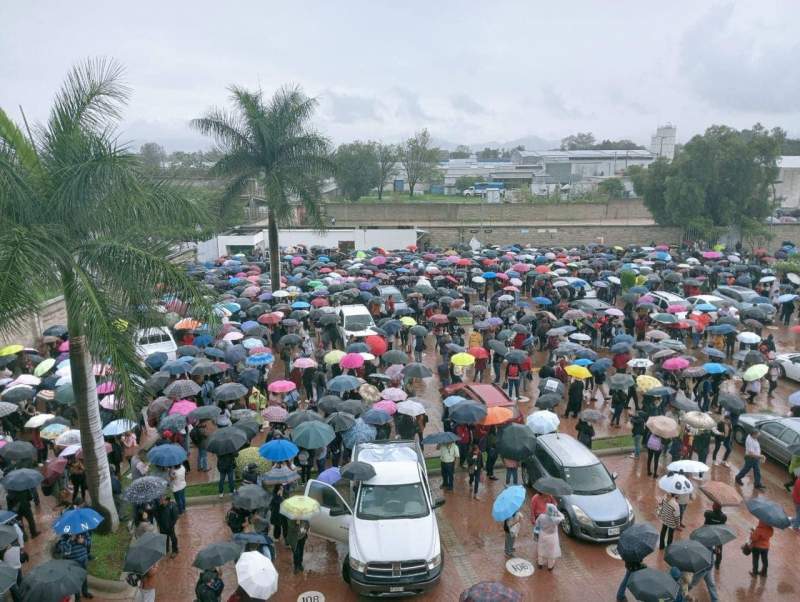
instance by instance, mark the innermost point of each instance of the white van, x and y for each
(355, 321)
(151, 340)
(390, 530)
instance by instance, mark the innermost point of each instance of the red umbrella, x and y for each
(478, 352)
(270, 319)
(377, 345)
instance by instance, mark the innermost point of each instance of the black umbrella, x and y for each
(301, 416)
(19, 394)
(713, 535)
(251, 497)
(229, 392)
(8, 577)
(357, 471)
(217, 554)
(467, 412)
(516, 442)
(17, 451)
(620, 381)
(145, 552)
(553, 486)
(53, 581)
(731, 402)
(498, 347)
(341, 421)
(551, 385)
(289, 340)
(417, 370)
(250, 428)
(205, 413)
(768, 511)
(329, 403)
(57, 330)
(226, 440)
(350, 406)
(684, 404)
(21, 479)
(516, 357)
(650, 585)
(440, 438)
(637, 542)
(548, 401)
(145, 489)
(688, 555)
(395, 356)
(8, 534)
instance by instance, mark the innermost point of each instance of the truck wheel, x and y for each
(346, 569)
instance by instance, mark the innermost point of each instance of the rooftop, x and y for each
(789, 162)
(587, 154)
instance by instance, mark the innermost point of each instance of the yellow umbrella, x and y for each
(462, 359)
(299, 507)
(646, 382)
(408, 321)
(333, 357)
(578, 371)
(10, 350)
(755, 372)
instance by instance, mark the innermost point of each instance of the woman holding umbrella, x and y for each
(474, 469)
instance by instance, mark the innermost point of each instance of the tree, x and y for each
(357, 169)
(465, 182)
(579, 141)
(622, 144)
(270, 142)
(152, 156)
(387, 156)
(79, 212)
(613, 188)
(418, 159)
(462, 152)
(488, 154)
(720, 179)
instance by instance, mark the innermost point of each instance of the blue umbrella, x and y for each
(254, 538)
(453, 400)
(489, 275)
(722, 329)
(376, 417)
(542, 301)
(638, 290)
(330, 476)
(623, 338)
(260, 359)
(468, 412)
(711, 352)
(118, 427)
(203, 340)
(620, 347)
(300, 305)
(77, 521)
(786, 298)
(278, 450)
(508, 502)
(705, 307)
(584, 361)
(440, 438)
(213, 352)
(168, 454)
(360, 432)
(714, 368)
(342, 383)
(154, 361)
(176, 368)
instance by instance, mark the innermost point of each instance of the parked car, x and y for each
(790, 365)
(355, 321)
(777, 434)
(590, 305)
(152, 340)
(745, 298)
(663, 299)
(597, 510)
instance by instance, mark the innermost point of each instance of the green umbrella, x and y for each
(313, 435)
(65, 395)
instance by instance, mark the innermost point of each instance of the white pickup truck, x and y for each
(390, 530)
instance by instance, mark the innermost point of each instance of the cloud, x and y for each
(556, 104)
(351, 108)
(467, 104)
(408, 105)
(740, 68)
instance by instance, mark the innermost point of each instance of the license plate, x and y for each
(613, 531)
(396, 588)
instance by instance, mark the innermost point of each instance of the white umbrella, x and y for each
(688, 467)
(410, 408)
(543, 422)
(71, 437)
(699, 420)
(675, 483)
(70, 450)
(256, 575)
(748, 338)
(640, 362)
(579, 336)
(36, 421)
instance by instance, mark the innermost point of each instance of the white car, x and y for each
(355, 321)
(790, 365)
(152, 340)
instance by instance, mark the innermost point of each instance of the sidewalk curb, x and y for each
(201, 500)
(612, 451)
(108, 586)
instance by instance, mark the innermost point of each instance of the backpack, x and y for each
(513, 371)
(654, 443)
(235, 521)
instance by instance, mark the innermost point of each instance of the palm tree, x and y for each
(273, 144)
(76, 212)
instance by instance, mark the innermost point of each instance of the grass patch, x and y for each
(433, 463)
(612, 442)
(200, 489)
(109, 554)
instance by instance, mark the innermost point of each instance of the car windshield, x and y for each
(588, 480)
(357, 322)
(382, 502)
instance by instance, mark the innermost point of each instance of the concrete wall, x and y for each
(421, 214)
(789, 187)
(51, 312)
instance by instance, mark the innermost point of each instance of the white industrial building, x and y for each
(787, 186)
(662, 143)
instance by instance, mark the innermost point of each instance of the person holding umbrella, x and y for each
(177, 484)
(166, 514)
(448, 454)
(474, 469)
(296, 536)
(715, 516)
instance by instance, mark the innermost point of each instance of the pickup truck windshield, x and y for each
(356, 323)
(588, 480)
(382, 502)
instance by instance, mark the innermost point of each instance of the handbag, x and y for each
(747, 549)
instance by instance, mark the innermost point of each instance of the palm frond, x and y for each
(226, 128)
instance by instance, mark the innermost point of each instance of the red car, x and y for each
(489, 395)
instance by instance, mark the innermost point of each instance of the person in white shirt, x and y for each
(752, 460)
(177, 484)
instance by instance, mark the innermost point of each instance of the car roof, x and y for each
(667, 295)
(491, 395)
(351, 310)
(593, 302)
(569, 451)
(395, 473)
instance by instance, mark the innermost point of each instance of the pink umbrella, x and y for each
(394, 371)
(675, 309)
(63, 347)
(645, 299)
(110, 402)
(674, 364)
(183, 407)
(305, 362)
(3, 442)
(394, 394)
(501, 276)
(281, 386)
(297, 260)
(711, 254)
(351, 360)
(106, 387)
(259, 349)
(521, 267)
(387, 406)
(275, 414)
(378, 260)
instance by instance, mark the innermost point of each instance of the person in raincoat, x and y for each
(548, 549)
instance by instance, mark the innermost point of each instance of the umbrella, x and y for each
(350, 406)
(767, 511)
(755, 372)
(279, 450)
(688, 555)
(275, 414)
(592, 415)
(620, 381)
(468, 412)
(6, 408)
(712, 536)
(226, 440)
(675, 483)
(411, 408)
(279, 475)
(360, 433)
(580, 372)
(314, 434)
(691, 467)
(182, 388)
(699, 420)
(331, 476)
(490, 591)
(508, 502)
(748, 338)
(369, 393)
(207, 413)
(646, 382)
(721, 493)
(182, 407)
(17, 451)
(145, 552)
(516, 442)
(168, 454)
(340, 421)
(394, 394)
(497, 415)
(37, 421)
(53, 581)
(548, 401)
(342, 383)
(637, 542)
(731, 402)
(250, 497)
(301, 416)
(281, 386)
(77, 521)
(440, 438)
(173, 422)
(217, 554)
(358, 471)
(642, 362)
(553, 486)
(663, 426)
(145, 489)
(417, 370)
(256, 575)
(650, 585)
(376, 417)
(118, 427)
(542, 422)
(21, 479)
(299, 507)
(229, 392)
(249, 427)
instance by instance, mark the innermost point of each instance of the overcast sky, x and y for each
(468, 71)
